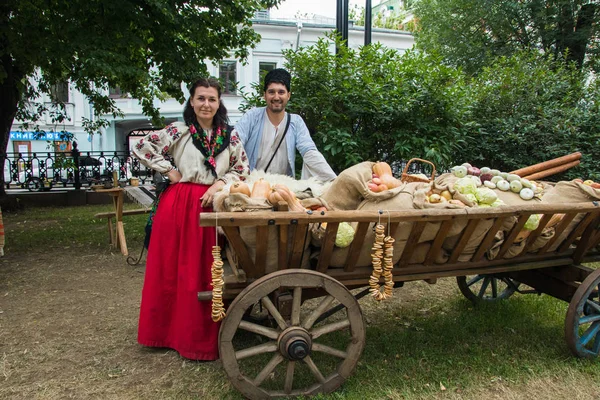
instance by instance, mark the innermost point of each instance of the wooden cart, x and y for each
(325, 336)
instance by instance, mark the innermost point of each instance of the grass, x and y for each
(427, 342)
(39, 228)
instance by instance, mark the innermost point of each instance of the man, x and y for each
(269, 146)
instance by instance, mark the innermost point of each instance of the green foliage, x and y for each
(471, 33)
(529, 109)
(376, 104)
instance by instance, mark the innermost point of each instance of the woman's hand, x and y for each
(209, 195)
(174, 176)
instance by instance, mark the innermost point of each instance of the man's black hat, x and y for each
(278, 75)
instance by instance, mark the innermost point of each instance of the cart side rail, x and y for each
(580, 224)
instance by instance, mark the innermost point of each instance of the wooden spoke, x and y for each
(313, 369)
(594, 305)
(475, 279)
(266, 301)
(266, 371)
(308, 323)
(268, 347)
(289, 377)
(336, 326)
(259, 329)
(296, 303)
(486, 282)
(588, 319)
(494, 288)
(329, 350)
(590, 333)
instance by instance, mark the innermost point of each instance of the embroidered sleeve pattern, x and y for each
(153, 149)
(239, 168)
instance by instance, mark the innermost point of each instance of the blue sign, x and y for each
(18, 135)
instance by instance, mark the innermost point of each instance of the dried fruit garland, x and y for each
(218, 308)
(382, 256)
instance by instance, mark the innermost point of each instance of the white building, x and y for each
(277, 35)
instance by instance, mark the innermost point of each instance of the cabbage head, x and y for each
(532, 222)
(498, 203)
(345, 235)
(486, 195)
(465, 185)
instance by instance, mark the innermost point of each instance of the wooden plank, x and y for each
(562, 225)
(282, 251)
(464, 239)
(571, 273)
(232, 259)
(356, 245)
(536, 233)
(424, 274)
(121, 238)
(436, 246)
(239, 247)
(578, 231)
(300, 239)
(430, 215)
(327, 246)
(411, 243)
(547, 284)
(584, 244)
(112, 233)
(487, 241)
(510, 239)
(262, 233)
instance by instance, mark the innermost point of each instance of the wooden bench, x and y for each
(112, 214)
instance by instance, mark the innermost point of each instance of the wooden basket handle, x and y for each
(405, 171)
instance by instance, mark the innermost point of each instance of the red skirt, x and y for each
(177, 268)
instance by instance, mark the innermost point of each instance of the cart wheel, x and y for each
(297, 357)
(479, 288)
(582, 325)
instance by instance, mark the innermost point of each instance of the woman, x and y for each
(208, 154)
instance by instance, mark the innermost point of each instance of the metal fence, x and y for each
(38, 171)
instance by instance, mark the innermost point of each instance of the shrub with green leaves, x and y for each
(375, 103)
(529, 109)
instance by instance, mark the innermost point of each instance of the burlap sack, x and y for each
(569, 192)
(350, 188)
(237, 202)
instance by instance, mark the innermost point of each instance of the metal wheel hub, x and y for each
(294, 343)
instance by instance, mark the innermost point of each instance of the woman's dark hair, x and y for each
(220, 118)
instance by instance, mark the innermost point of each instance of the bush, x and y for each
(376, 104)
(529, 109)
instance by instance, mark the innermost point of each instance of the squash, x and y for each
(274, 197)
(384, 173)
(261, 189)
(382, 168)
(240, 187)
(289, 197)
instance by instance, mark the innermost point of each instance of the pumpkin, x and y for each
(261, 189)
(240, 187)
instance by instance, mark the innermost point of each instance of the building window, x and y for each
(59, 92)
(264, 67)
(227, 74)
(115, 92)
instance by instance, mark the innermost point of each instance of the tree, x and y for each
(471, 33)
(401, 20)
(376, 103)
(143, 47)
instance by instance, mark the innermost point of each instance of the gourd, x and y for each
(384, 173)
(261, 189)
(286, 195)
(240, 187)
